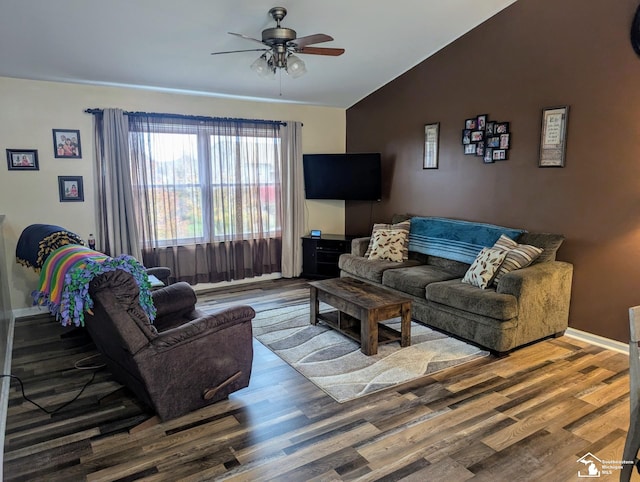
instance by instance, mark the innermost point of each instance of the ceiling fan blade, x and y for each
(235, 51)
(317, 38)
(246, 37)
(321, 51)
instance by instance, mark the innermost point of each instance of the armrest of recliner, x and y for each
(204, 326)
(160, 272)
(359, 245)
(176, 298)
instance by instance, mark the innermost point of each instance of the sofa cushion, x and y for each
(403, 226)
(548, 242)
(414, 280)
(388, 244)
(457, 267)
(369, 269)
(472, 299)
(485, 267)
(518, 256)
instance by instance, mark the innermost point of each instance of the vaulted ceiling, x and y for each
(166, 44)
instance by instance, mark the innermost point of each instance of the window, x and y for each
(202, 182)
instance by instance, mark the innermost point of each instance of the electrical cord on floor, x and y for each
(78, 366)
(89, 367)
(50, 412)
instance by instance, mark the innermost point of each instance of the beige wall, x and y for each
(31, 109)
(532, 55)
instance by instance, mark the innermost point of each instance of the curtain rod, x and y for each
(192, 117)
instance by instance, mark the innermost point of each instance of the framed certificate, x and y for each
(553, 136)
(431, 133)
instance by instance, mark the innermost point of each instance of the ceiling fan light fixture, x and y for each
(279, 45)
(262, 67)
(295, 66)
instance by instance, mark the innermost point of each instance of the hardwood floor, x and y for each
(528, 416)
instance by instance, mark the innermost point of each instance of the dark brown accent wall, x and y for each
(534, 54)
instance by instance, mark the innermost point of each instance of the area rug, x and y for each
(335, 363)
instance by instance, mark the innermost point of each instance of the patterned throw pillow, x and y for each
(388, 244)
(518, 256)
(484, 267)
(403, 226)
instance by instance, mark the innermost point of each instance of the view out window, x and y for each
(203, 186)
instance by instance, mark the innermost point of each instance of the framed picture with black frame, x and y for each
(553, 136)
(70, 188)
(22, 160)
(431, 135)
(66, 144)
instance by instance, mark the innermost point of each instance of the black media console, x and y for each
(320, 255)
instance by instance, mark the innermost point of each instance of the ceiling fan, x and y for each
(279, 46)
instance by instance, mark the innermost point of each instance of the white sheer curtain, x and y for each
(208, 194)
(213, 199)
(293, 208)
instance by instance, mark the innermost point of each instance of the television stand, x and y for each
(320, 255)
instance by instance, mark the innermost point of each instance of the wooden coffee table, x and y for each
(360, 308)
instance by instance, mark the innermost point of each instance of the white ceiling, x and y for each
(166, 44)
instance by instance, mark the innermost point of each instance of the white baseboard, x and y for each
(200, 287)
(598, 340)
(30, 311)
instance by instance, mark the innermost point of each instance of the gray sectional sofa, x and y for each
(527, 304)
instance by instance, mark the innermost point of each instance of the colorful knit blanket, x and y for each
(38, 241)
(65, 278)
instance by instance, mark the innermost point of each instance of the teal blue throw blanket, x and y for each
(454, 239)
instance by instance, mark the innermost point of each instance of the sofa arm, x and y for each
(203, 326)
(176, 298)
(359, 245)
(543, 292)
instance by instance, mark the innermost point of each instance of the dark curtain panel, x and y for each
(116, 212)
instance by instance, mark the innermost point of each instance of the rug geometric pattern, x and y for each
(335, 363)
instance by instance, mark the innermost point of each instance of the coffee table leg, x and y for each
(368, 333)
(405, 325)
(314, 305)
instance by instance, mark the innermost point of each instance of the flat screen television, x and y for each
(356, 177)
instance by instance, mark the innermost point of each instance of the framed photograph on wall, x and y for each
(488, 155)
(469, 149)
(431, 134)
(22, 160)
(504, 141)
(477, 136)
(70, 189)
(553, 136)
(501, 128)
(481, 122)
(66, 144)
(500, 155)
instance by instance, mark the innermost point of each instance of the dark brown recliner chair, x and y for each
(185, 359)
(162, 273)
